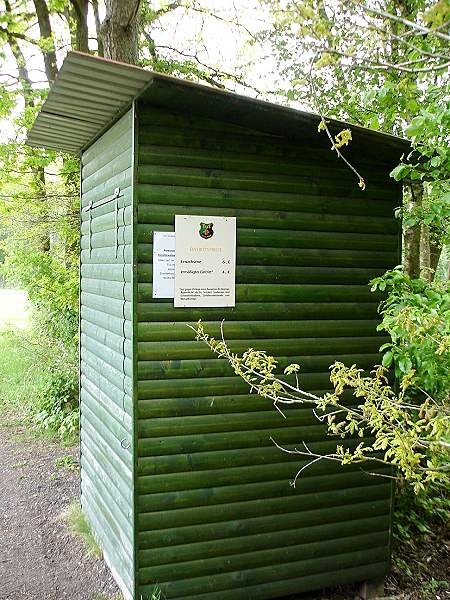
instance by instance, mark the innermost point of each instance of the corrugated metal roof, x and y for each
(90, 93)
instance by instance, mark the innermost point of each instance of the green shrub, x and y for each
(52, 285)
(419, 531)
(58, 402)
(416, 314)
(422, 514)
(41, 256)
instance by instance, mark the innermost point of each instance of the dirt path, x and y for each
(39, 558)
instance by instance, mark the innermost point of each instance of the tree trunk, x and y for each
(44, 236)
(412, 242)
(71, 22)
(120, 31)
(430, 253)
(45, 29)
(425, 256)
(435, 255)
(24, 78)
(411, 260)
(27, 93)
(100, 48)
(80, 13)
(411, 235)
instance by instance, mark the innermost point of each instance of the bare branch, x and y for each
(169, 8)
(369, 64)
(325, 126)
(213, 15)
(20, 36)
(217, 72)
(415, 26)
(438, 28)
(399, 38)
(390, 428)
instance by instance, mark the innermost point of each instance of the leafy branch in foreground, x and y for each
(411, 437)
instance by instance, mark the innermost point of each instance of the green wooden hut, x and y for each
(179, 479)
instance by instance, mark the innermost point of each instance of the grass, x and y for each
(156, 595)
(20, 465)
(38, 387)
(18, 385)
(78, 525)
(67, 462)
(434, 587)
(21, 381)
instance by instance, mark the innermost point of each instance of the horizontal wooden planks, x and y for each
(257, 569)
(264, 219)
(197, 461)
(346, 572)
(281, 346)
(178, 517)
(106, 348)
(210, 405)
(152, 154)
(204, 513)
(270, 292)
(295, 257)
(288, 274)
(304, 202)
(184, 368)
(176, 331)
(212, 489)
(277, 555)
(258, 541)
(251, 143)
(270, 238)
(252, 311)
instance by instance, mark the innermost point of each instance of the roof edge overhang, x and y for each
(90, 93)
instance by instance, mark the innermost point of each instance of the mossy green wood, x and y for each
(107, 480)
(216, 516)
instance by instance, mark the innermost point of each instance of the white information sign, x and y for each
(163, 264)
(205, 261)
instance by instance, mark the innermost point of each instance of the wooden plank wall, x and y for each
(106, 348)
(217, 516)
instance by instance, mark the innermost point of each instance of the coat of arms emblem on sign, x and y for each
(206, 230)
